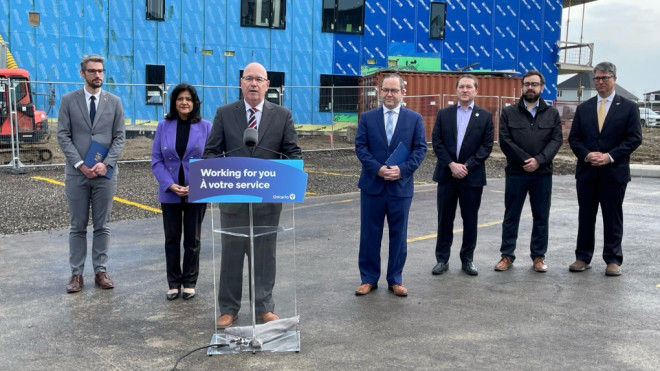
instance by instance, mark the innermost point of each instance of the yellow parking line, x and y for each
(118, 199)
(330, 173)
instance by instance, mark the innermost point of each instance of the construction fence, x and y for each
(327, 111)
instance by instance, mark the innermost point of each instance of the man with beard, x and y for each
(86, 115)
(530, 137)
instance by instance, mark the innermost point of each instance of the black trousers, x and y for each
(182, 218)
(610, 198)
(450, 195)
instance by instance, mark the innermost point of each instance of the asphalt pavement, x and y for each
(517, 320)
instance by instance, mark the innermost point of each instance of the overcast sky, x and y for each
(626, 33)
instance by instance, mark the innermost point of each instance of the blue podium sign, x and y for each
(247, 180)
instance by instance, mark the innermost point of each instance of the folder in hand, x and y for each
(96, 154)
(399, 156)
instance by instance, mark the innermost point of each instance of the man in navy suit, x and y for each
(605, 131)
(462, 141)
(387, 187)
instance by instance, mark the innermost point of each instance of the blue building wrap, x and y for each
(202, 42)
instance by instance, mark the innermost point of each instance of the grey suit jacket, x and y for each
(75, 132)
(276, 133)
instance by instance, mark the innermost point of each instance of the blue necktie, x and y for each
(389, 126)
(92, 109)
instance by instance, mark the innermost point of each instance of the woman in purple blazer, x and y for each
(179, 138)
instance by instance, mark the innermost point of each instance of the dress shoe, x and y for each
(365, 288)
(103, 281)
(189, 294)
(171, 294)
(225, 320)
(75, 284)
(504, 264)
(269, 316)
(613, 269)
(398, 290)
(579, 266)
(470, 269)
(539, 264)
(440, 268)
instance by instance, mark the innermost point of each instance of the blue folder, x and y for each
(96, 153)
(399, 156)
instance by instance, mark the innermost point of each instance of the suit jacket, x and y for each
(165, 160)
(276, 135)
(372, 150)
(475, 149)
(620, 136)
(75, 132)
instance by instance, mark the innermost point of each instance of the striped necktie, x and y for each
(252, 120)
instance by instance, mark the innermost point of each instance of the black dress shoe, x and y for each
(173, 296)
(470, 269)
(440, 268)
(188, 295)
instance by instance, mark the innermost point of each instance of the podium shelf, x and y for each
(258, 230)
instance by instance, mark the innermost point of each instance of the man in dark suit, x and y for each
(276, 135)
(530, 137)
(90, 114)
(462, 141)
(605, 132)
(387, 188)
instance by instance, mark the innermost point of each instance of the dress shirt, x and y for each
(462, 120)
(257, 115)
(395, 116)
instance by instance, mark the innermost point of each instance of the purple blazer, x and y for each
(165, 161)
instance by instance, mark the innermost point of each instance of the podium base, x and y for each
(288, 342)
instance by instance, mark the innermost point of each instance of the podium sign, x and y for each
(247, 180)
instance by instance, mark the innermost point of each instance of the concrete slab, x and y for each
(517, 319)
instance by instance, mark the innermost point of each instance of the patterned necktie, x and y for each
(389, 126)
(601, 114)
(92, 108)
(252, 121)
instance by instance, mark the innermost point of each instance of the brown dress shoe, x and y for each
(399, 290)
(225, 320)
(539, 264)
(269, 316)
(613, 269)
(365, 288)
(75, 284)
(579, 266)
(103, 281)
(504, 264)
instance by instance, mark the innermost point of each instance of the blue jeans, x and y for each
(517, 187)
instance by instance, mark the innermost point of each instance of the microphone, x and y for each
(250, 139)
(250, 136)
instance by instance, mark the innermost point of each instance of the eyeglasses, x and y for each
(602, 78)
(94, 72)
(393, 91)
(534, 84)
(254, 78)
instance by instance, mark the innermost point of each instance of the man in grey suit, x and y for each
(277, 138)
(86, 115)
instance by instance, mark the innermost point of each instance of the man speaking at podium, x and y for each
(391, 144)
(277, 138)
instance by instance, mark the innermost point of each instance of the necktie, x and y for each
(601, 114)
(252, 120)
(92, 109)
(389, 126)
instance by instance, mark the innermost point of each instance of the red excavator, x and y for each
(20, 120)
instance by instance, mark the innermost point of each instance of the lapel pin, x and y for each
(476, 114)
